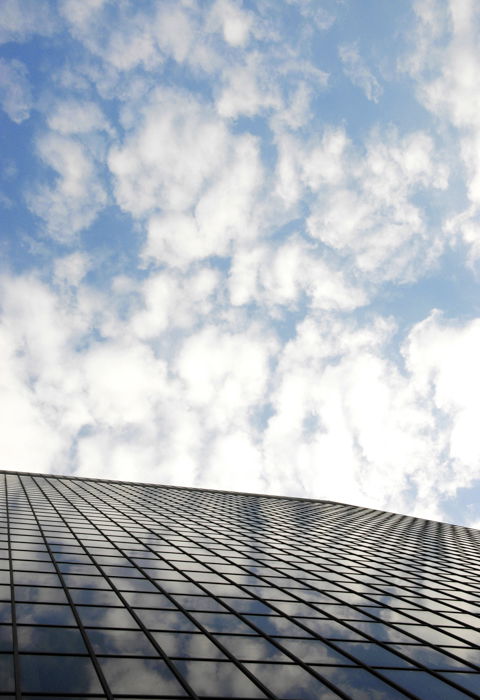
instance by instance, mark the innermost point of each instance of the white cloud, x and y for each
(443, 357)
(248, 89)
(15, 91)
(445, 64)
(72, 201)
(76, 117)
(226, 374)
(283, 274)
(71, 269)
(171, 301)
(231, 20)
(197, 182)
(358, 72)
(343, 421)
(373, 216)
(20, 19)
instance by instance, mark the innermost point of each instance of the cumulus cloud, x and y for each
(76, 117)
(372, 214)
(239, 341)
(445, 64)
(343, 419)
(15, 91)
(283, 275)
(231, 20)
(358, 72)
(20, 19)
(71, 202)
(195, 181)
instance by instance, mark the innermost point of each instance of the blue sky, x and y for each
(239, 246)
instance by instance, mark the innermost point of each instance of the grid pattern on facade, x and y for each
(121, 590)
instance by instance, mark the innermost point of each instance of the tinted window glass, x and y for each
(41, 674)
(54, 640)
(137, 676)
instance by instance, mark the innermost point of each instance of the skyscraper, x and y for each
(125, 590)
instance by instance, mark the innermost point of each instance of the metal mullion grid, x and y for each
(16, 665)
(414, 621)
(215, 639)
(277, 642)
(375, 619)
(160, 652)
(331, 643)
(167, 659)
(80, 626)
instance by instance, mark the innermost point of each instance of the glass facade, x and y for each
(123, 590)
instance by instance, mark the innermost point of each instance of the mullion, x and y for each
(80, 626)
(310, 632)
(192, 619)
(139, 622)
(352, 627)
(16, 664)
(346, 531)
(374, 592)
(225, 650)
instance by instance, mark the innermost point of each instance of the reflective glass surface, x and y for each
(120, 590)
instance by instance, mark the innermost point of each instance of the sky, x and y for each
(239, 246)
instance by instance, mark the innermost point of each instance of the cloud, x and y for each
(76, 117)
(372, 214)
(15, 90)
(357, 71)
(444, 62)
(192, 396)
(282, 275)
(195, 181)
(72, 201)
(443, 357)
(20, 19)
(233, 22)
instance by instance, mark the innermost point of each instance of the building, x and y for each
(126, 590)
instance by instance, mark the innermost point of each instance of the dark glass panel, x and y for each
(89, 596)
(44, 614)
(148, 600)
(200, 602)
(469, 681)
(5, 638)
(183, 644)
(58, 674)
(7, 682)
(5, 612)
(253, 649)
(26, 594)
(373, 654)
(218, 679)
(424, 685)
(217, 622)
(134, 584)
(433, 658)
(291, 682)
(94, 616)
(249, 605)
(313, 651)
(41, 566)
(121, 642)
(25, 578)
(53, 640)
(358, 683)
(140, 676)
(80, 581)
(277, 626)
(165, 620)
